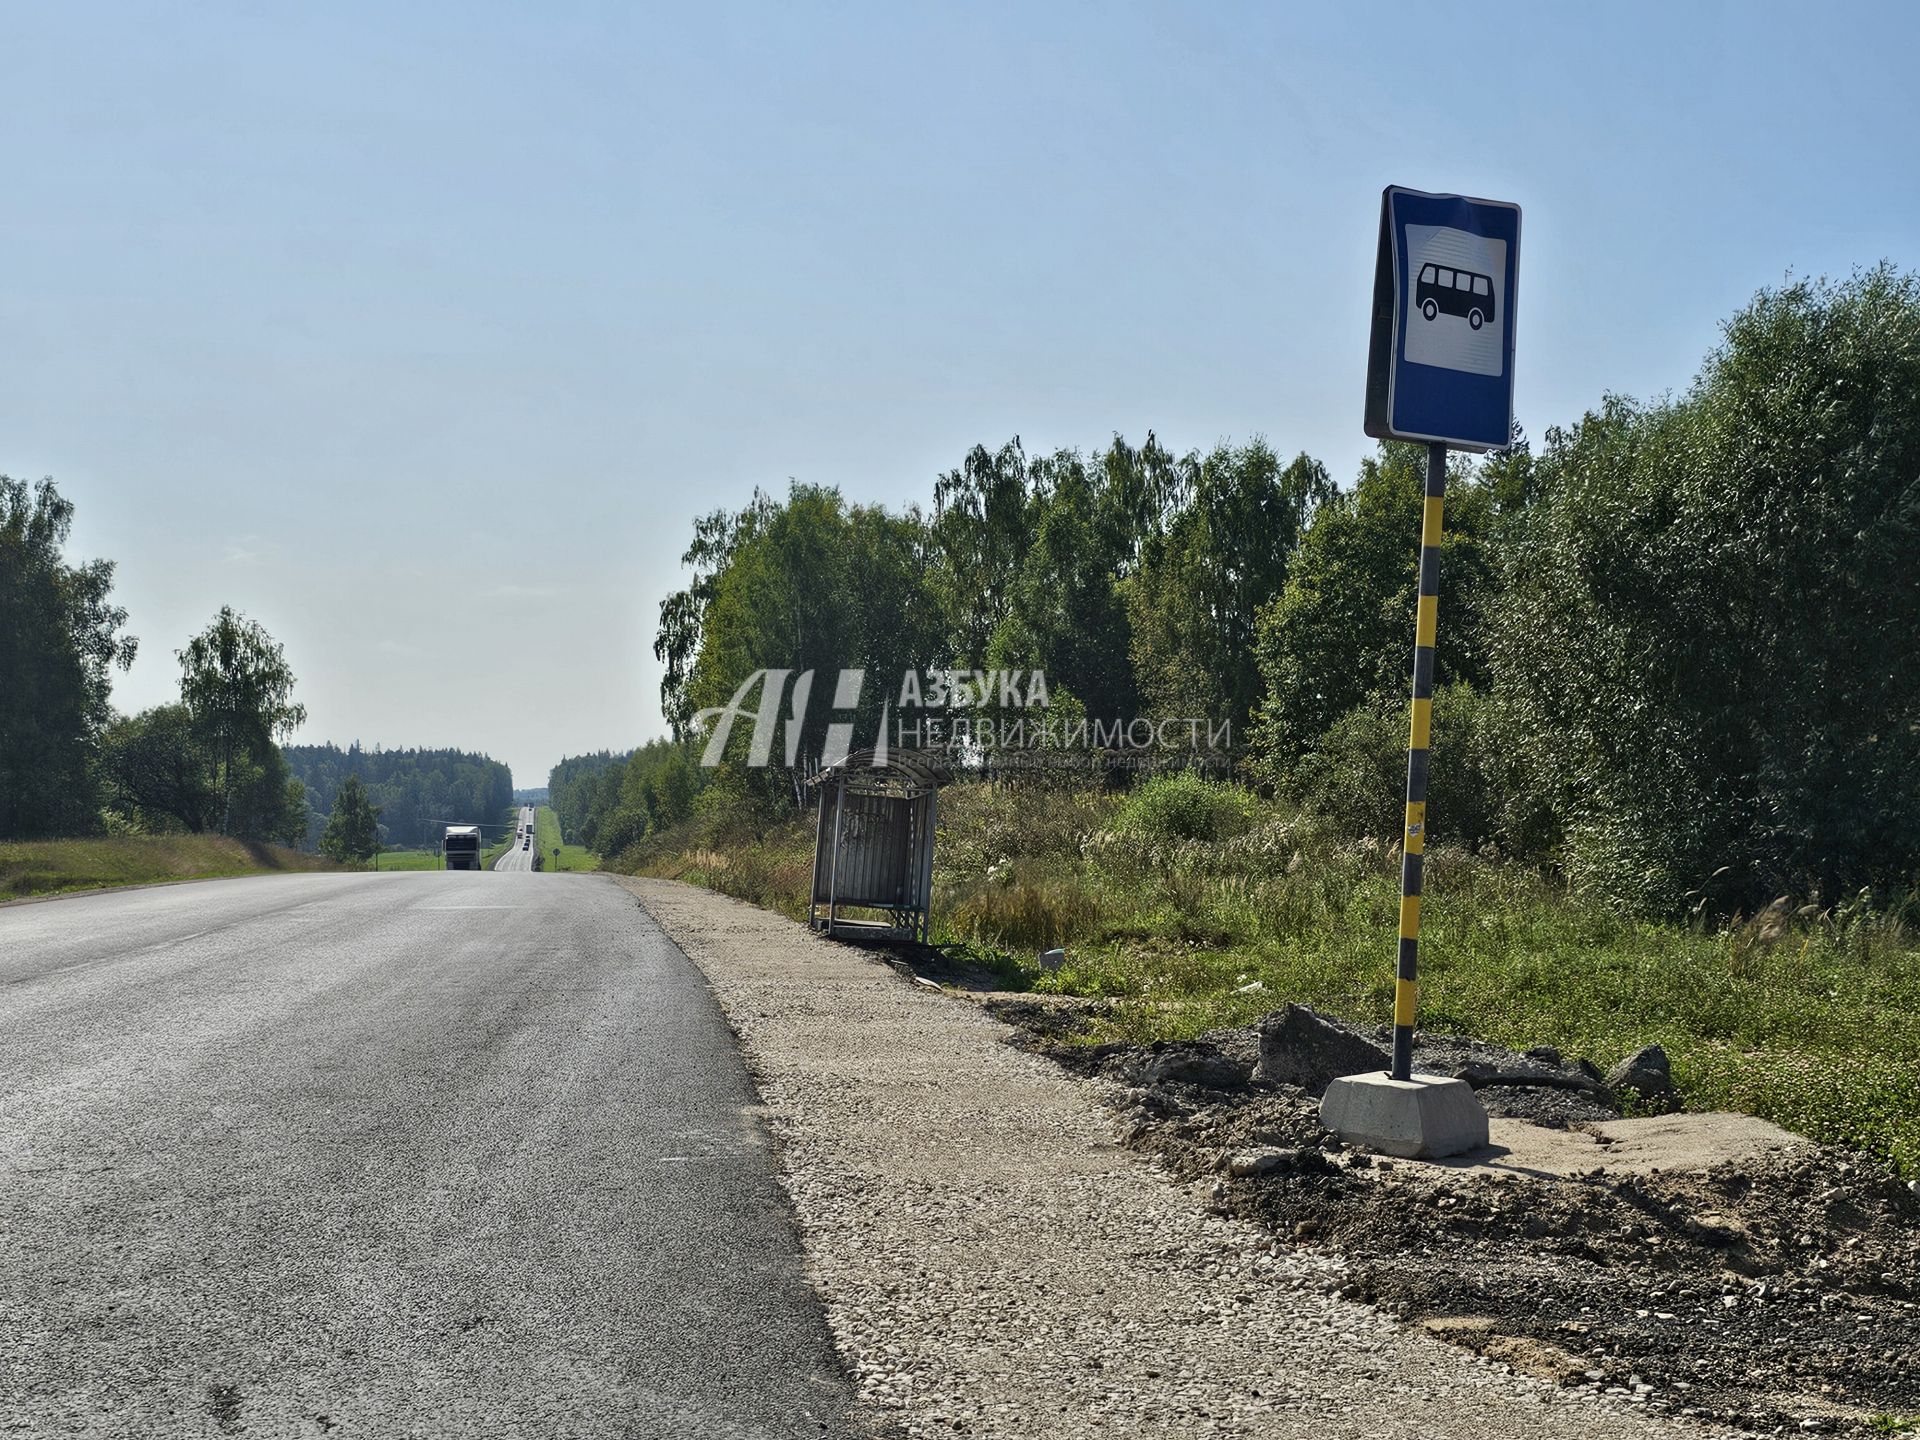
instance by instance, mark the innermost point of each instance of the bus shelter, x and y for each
(873, 851)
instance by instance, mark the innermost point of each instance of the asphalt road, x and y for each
(519, 855)
(424, 1153)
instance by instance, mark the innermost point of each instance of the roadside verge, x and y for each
(37, 869)
(994, 1263)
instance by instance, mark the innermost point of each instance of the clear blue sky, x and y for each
(421, 336)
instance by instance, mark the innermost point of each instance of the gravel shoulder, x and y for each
(994, 1262)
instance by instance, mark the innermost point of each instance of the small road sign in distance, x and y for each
(1440, 361)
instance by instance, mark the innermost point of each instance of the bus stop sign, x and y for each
(1440, 361)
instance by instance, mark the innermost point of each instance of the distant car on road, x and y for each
(527, 844)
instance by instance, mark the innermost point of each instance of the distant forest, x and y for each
(419, 792)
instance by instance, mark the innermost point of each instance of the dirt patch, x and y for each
(1642, 1146)
(1702, 1266)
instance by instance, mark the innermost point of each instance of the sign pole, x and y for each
(1440, 374)
(1413, 854)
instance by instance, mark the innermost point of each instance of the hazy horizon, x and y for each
(422, 339)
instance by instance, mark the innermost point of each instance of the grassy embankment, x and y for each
(494, 851)
(48, 867)
(1811, 1020)
(546, 835)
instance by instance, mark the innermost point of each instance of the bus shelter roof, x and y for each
(890, 772)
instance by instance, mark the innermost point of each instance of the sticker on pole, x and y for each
(1440, 362)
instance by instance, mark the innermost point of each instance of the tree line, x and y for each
(417, 793)
(1676, 644)
(69, 764)
(608, 802)
(61, 638)
(211, 761)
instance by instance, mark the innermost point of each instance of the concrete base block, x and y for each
(1425, 1118)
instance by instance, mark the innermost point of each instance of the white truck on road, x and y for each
(461, 846)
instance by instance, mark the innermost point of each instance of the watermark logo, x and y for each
(973, 689)
(970, 712)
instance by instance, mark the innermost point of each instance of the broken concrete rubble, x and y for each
(1646, 1072)
(1300, 1046)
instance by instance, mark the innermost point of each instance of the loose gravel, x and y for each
(995, 1263)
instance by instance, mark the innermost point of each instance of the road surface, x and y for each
(427, 1153)
(519, 855)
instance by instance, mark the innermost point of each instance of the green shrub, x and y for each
(626, 826)
(1708, 622)
(1477, 789)
(1184, 806)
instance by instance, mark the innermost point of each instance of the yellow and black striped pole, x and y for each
(1406, 988)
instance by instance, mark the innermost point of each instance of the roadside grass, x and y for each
(768, 865)
(49, 867)
(406, 860)
(1810, 1020)
(546, 835)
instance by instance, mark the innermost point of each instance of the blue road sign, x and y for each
(1440, 364)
